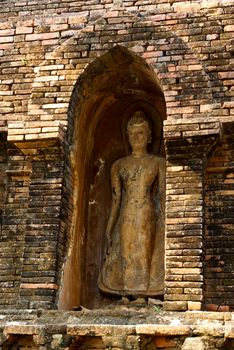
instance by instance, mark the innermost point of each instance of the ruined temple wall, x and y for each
(31, 32)
(44, 48)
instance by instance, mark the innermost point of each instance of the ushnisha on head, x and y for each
(138, 117)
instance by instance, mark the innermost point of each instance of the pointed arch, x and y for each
(110, 89)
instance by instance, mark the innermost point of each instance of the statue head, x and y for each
(139, 130)
(138, 117)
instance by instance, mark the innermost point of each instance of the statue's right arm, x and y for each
(116, 200)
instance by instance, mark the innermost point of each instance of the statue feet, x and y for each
(139, 301)
(124, 301)
(133, 301)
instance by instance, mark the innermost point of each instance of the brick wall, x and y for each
(44, 48)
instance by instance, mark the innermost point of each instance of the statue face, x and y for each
(138, 135)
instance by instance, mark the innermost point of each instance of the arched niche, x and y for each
(106, 94)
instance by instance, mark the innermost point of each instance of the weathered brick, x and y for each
(24, 30)
(41, 36)
(229, 28)
(7, 32)
(81, 18)
(6, 39)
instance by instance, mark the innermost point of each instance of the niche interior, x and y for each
(104, 97)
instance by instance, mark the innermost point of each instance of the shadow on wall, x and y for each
(219, 212)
